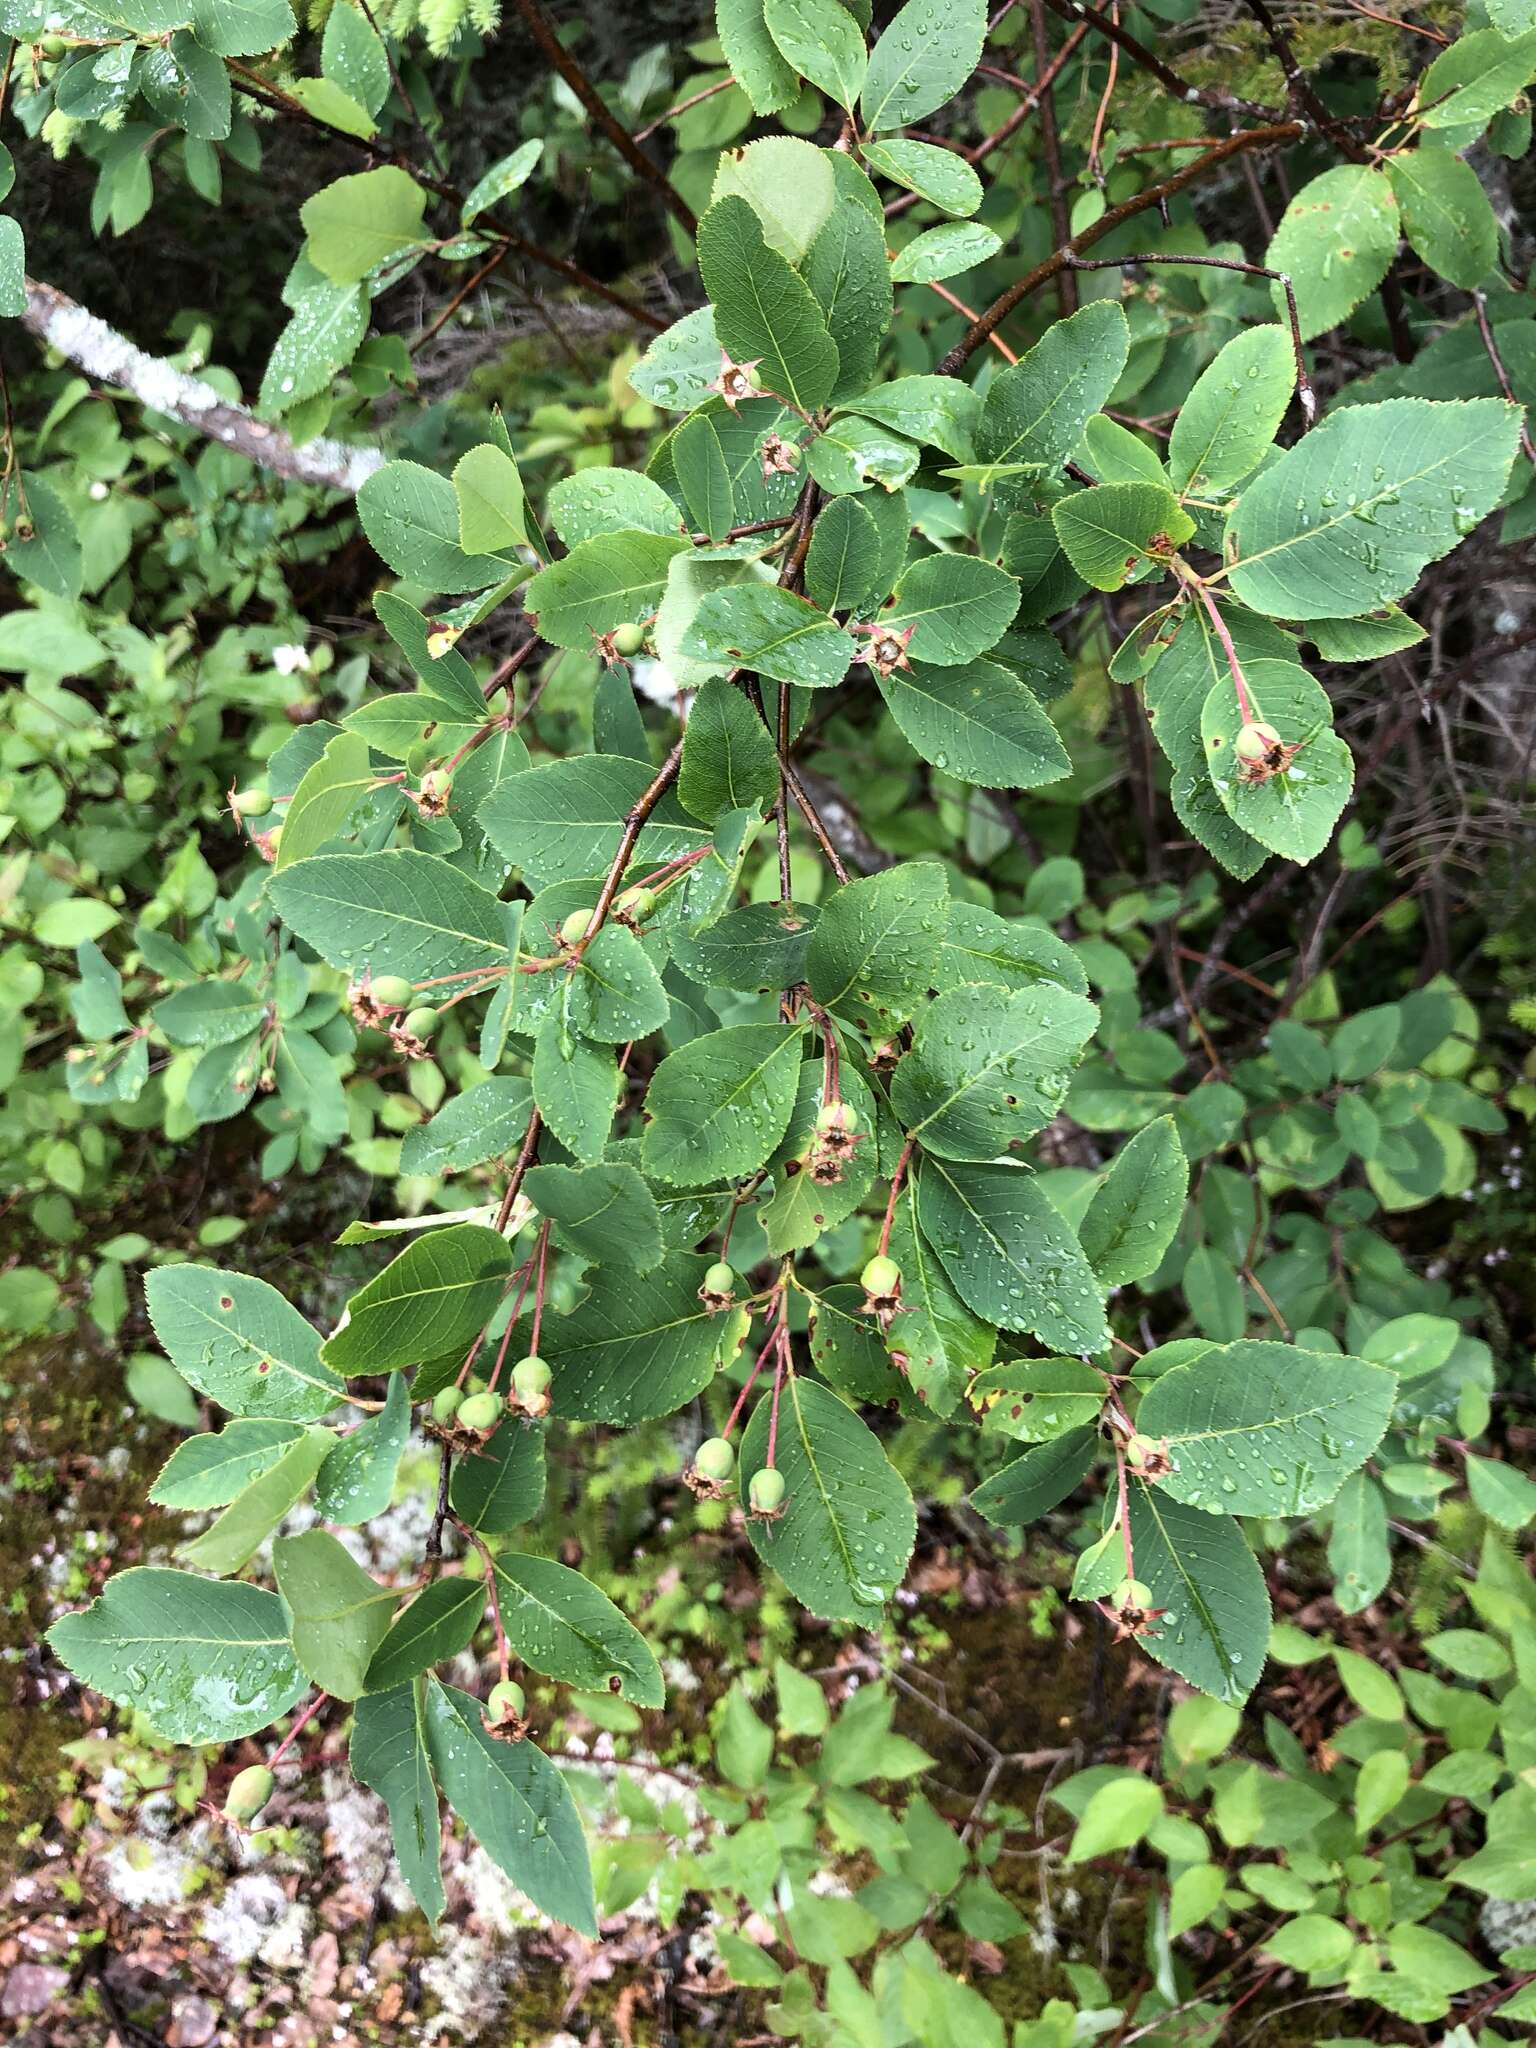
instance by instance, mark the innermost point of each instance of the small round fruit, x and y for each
(1138, 1449)
(271, 841)
(765, 1491)
(574, 928)
(628, 638)
(506, 1701)
(714, 1459)
(530, 1382)
(446, 1403)
(1133, 1593)
(720, 1279)
(435, 785)
(882, 1276)
(392, 990)
(637, 904)
(1254, 741)
(422, 1023)
(480, 1412)
(837, 1116)
(248, 1793)
(250, 803)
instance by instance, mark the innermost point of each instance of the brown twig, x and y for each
(1267, 137)
(1491, 346)
(693, 100)
(1050, 148)
(542, 29)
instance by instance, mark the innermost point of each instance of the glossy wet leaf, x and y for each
(1011, 1256)
(239, 1342)
(559, 1623)
(338, 1614)
(987, 1069)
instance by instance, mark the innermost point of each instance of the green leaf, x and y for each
(239, 28)
(605, 1213)
(1011, 1255)
(52, 558)
(1010, 953)
(946, 251)
(1480, 73)
(988, 1069)
(850, 277)
(259, 1507)
(843, 561)
(638, 1345)
(764, 311)
(1108, 532)
(500, 1486)
(939, 410)
(1380, 1786)
(1294, 811)
(1037, 1399)
(1039, 1481)
(388, 1754)
(1266, 1429)
(679, 366)
(360, 222)
(729, 762)
(754, 57)
(202, 1660)
(486, 1122)
(854, 454)
(240, 1343)
(1348, 518)
(957, 605)
(576, 1087)
(561, 821)
(438, 1624)
(515, 1803)
(1231, 417)
(1502, 1492)
(1134, 1215)
(761, 627)
(13, 269)
(616, 994)
(352, 54)
(357, 1480)
(607, 581)
(848, 1525)
(411, 516)
(1446, 214)
(437, 1294)
(922, 59)
(1359, 1553)
(506, 176)
(877, 940)
(490, 494)
(1336, 243)
(788, 184)
(208, 1471)
(1118, 1813)
(820, 40)
(720, 1104)
(1035, 410)
(396, 912)
(595, 501)
(703, 475)
(977, 721)
(339, 1615)
(560, 1624)
(759, 946)
(329, 320)
(940, 176)
(324, 800)
(1214, 1628)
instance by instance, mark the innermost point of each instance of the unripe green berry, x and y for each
(530, 1383)
(637, 904)
(392, 990)
(574, 928)
(1132, 1593)
(446, 1403)
(481, 1412)
(1139, 1448)
(272, 841)
(714, 1459)
(422, 1023)
(720, 1279)
(506, 1701)
(765, 1490)
(881, 1277)
(837, 1116)
(1254, 740)
(628, 638)
(435, 785)
(250, 803)
(248, 1793)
